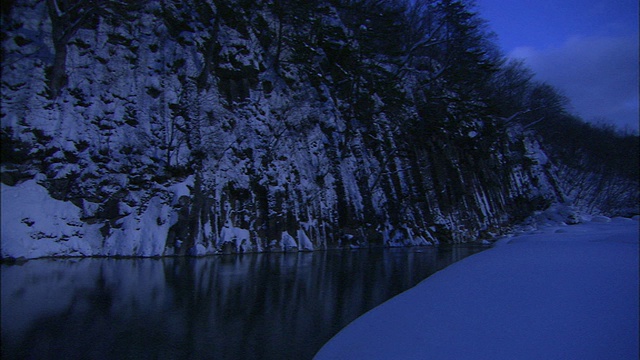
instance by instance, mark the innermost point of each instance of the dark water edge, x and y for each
(248, 306)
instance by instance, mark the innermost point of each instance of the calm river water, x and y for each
(251, 306)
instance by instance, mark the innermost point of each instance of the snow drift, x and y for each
(561, 292)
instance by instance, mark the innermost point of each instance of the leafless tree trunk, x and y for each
(66, 18)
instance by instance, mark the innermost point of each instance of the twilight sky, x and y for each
(588, 49)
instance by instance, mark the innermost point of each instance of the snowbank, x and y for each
(566, 292)
(36, 225)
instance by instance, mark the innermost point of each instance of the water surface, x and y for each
(251, 306)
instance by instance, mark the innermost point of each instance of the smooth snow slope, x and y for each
(567, 292)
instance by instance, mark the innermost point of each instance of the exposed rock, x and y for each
(191, 128)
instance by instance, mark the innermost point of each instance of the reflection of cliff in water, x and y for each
(236, 306)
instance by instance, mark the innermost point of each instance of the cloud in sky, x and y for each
(598, 73)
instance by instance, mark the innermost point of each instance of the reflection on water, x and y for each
(252, 306)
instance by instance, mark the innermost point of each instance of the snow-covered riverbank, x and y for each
(561, 292)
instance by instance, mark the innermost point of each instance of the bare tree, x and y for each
(67, 17)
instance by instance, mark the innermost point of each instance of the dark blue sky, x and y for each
(588, 49)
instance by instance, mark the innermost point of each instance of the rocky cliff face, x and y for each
(234, 126)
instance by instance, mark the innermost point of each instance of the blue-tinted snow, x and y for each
(560, 292)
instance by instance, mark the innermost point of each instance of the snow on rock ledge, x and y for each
(36, 225)
(143, 235)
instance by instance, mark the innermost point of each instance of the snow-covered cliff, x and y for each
(234, 126)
